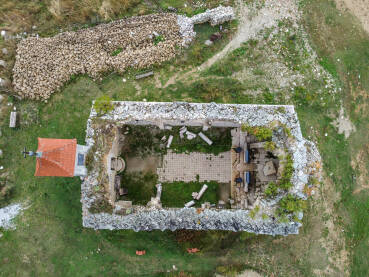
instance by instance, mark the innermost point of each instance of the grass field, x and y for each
(50, 240)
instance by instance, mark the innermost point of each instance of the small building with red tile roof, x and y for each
(60, 157)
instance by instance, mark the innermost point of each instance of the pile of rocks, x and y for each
(44, 64)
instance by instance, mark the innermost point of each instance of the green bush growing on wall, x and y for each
(290, 204)
(103, 104)
(285, 182)
(270, 146)
(271, 190)
(260, 132)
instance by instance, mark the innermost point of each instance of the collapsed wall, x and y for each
(43, 65)
(303, 153)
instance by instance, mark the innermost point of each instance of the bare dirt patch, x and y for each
(343, 124)
(148, 164)
(333, 239)
(252, 22)
(359, 8)
(359, 163)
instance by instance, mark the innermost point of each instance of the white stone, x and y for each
(208, 42)
(7, 214)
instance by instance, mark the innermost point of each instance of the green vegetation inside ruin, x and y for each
(221, 137)
(260, 132)
(285, 182)
(101, 205)
(271, 190)
(144, 140)
(290, 205)
(141, 187)
(55, 207)
(176, 194)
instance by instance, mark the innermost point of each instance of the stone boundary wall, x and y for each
(304, 154)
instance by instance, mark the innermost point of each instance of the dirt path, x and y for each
(252, 21)
(359, 8)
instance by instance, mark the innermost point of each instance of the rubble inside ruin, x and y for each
(210, 216)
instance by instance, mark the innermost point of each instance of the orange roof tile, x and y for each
(58, 157)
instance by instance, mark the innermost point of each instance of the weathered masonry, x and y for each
(263, 160)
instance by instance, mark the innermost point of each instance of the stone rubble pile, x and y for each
(43, 65)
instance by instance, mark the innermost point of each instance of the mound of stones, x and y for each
(43, 65)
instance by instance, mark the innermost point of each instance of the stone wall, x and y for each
(304, 155)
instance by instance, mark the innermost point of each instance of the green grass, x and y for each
(141, 187)
(344, 48)
(177, 194)
(221, 137)
(50, 239)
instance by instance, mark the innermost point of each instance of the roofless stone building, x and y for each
(216, 167)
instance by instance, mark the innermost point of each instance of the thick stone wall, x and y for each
(304, 155)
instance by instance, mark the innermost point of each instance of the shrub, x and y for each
(271, 190)
(103, 104)
(264, 216)
(290, 204)
(270, 146)
(287, 131)
(253, 212)
(261, 133)
(244, 127)
(285, 182)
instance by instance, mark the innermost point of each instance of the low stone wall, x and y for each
(304, 155)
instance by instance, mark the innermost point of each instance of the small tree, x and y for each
(271, 190)
(103, 104)
(291, 204)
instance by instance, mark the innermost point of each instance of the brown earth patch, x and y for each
(359, 8)
(359, 163)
